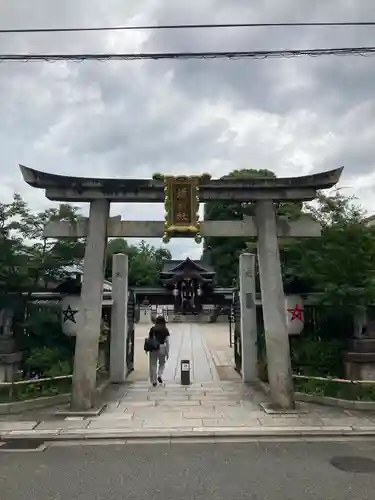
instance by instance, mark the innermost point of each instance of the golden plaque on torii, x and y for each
(181, 201)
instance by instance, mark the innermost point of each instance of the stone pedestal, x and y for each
(360, 361)
(10, 359)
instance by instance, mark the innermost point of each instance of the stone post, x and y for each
(249, 369)
(273, 305)
(119, 318)
(89, 323)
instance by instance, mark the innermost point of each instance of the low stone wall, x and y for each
(33, 404)
(349, 404)
(15, 407)
(338, 403)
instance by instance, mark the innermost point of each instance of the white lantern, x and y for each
(294, 314)
(70, 311)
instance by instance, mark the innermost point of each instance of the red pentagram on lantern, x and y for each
(296, 312)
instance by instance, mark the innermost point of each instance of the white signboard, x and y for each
(294, 314)
(185, 367)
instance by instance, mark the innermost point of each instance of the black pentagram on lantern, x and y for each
(69, 314)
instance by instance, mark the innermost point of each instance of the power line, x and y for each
(191, 26)
(256, 54)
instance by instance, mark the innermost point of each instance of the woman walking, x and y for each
(158, 342)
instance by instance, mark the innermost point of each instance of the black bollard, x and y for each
(185, 372)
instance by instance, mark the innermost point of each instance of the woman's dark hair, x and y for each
(160, 321)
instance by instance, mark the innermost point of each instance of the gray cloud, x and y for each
(135, 118)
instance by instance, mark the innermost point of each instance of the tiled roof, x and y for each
(171, 264)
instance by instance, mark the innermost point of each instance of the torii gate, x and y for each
(182, 220)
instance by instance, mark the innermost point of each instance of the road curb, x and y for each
(269, 432)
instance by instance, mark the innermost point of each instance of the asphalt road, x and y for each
(224, 471)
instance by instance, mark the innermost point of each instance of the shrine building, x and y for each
(188, 286)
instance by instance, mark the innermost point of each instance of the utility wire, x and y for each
(190, 26)
(257, 54)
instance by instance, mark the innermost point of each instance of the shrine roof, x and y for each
(174, 266)
(178, 277)
(69, 188)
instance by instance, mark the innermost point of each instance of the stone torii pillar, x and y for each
(273, 306)
(88, 333)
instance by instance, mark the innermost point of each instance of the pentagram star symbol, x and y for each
(69, 314)
(297, 313)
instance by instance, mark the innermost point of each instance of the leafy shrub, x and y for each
(315, 356)
(49, 362)
(352, 391)
(22, 391)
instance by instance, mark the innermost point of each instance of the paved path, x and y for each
(212, 409)
(207, 401)
(208, 407)
(187, 342)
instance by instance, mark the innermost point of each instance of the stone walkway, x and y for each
(187, 342)
(212, 409)
(138, 406)
(208, 407)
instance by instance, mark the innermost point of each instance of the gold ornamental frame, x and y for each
(181, 203)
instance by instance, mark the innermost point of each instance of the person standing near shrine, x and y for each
(157, 345)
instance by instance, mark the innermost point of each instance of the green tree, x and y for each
(223, 253)
(13, 256)
(341, 263)
(145, 261)
(48, 258)
(27, 259)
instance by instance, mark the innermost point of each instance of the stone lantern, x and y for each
(360, 360)
(70, 312)
(71, 306)
(10, 357)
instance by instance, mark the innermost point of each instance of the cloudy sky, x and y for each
(132, 119)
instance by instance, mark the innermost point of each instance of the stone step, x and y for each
(188, 318)
(175, 396)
